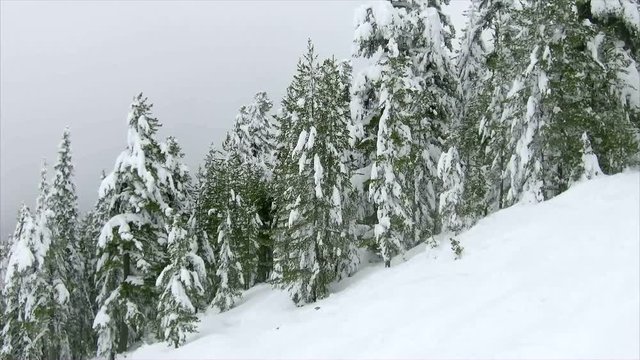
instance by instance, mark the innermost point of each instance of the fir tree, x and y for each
(229, 271)
(552, 105)
(450, 172)
(590, 165)
(179, 285)
(403, 106)
(209, 194)
(484, 63)
(131, 242)
(250, 147)
(238, 230)
(313, 240)
(18, 332)
(68, 261)
(51, 309)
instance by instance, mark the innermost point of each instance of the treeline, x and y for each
(421, 141)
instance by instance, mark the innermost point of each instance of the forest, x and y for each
(422, 139)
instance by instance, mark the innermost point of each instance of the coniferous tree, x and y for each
(206, 219)
(251, 145)
(551, 107)
(5, 248)
(590, 165)
(313, 237)
(131, 243)
(51, 308)
(403, 106)
(238, 230)
(484, 64)
(451, 198)
(18, 332)
(67, 260)
(179, 285)
(229, 271)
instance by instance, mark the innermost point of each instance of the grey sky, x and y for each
(80, 63)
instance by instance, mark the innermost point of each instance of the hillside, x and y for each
(560, 279)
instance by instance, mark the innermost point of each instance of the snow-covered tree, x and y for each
(50, 291)
(131, 243)
(229, 271)
(209, 195)
(176, 177)
(250, 146)
(252, 135)
(590, 165)
(5, 247)
(179, 285)
(484, 64)
(403, 105)
(450, 172)
(66, 262)
(569, 86)
(237, 232)
(17, 333)
(313, 238)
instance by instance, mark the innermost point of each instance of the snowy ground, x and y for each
(556, 280)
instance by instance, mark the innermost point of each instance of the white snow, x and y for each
(627, 10)
(555, 280)
(318, 175)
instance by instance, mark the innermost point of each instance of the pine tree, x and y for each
(209, 194)
(238, 230)
(131, 243)
(50, 292)
(313, 238)
(179, 285)
(484, 64)
(590, 165)
(229, 271)
(250, 147)
(565, 90)
(67, 263)
(403, 106)
(18, 332)
(5, 248)
(450, 172)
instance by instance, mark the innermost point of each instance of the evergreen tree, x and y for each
(313, 240)
(250, 147)
(590, 165)
(5, 248)
(229, 271)
(66, 261)
(403, 106)
(238, 230)
(568, 87)
(209, 194)
(18, 332)
(131, 243)
(179, 285)
(450, 172)
(484, 67)
(50, 292)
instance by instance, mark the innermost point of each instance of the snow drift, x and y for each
(560, 279)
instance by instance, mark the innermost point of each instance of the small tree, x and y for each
(17, 332)
(452, 177)
(590, 165)
(179, 285)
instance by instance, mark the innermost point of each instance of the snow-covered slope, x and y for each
(556, 280)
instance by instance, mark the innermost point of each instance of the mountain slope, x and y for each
(559, 279)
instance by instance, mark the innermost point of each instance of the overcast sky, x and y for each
(80, 63)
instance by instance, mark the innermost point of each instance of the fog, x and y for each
(79, 64)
